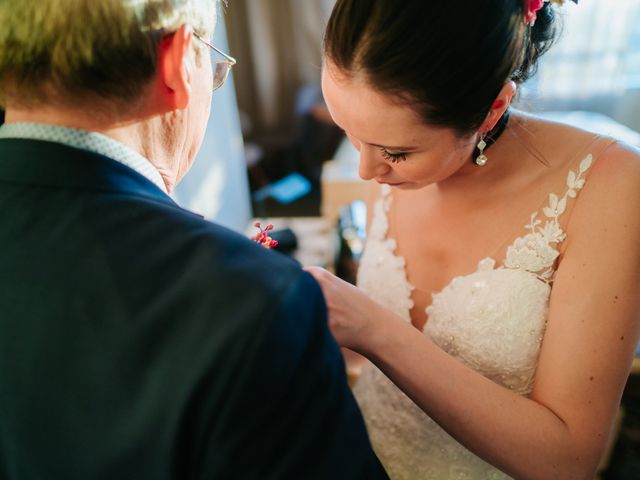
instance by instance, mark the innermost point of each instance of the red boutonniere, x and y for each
(262, 237)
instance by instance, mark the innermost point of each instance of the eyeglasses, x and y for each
(221, 68)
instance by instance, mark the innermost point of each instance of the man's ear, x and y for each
(500, 105)
(175, 69)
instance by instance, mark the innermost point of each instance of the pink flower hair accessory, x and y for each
(531, 8)
(262, 237)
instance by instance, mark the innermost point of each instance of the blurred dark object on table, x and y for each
(1, 117)
(287, 240)
(351, 232)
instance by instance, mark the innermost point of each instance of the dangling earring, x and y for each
(489, 138)
(481, 159)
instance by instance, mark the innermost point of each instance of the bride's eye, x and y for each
(393, 157)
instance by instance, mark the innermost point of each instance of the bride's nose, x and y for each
(372, 165)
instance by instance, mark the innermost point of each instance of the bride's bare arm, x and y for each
(561, 429)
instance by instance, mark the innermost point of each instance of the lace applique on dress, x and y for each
(492, 320)
(536, 252)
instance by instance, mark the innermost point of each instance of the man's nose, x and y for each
(372, 165)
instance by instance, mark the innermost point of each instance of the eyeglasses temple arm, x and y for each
(229, 58)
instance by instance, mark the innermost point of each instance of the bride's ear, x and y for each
(499, 106)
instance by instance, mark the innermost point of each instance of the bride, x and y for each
(500, 286)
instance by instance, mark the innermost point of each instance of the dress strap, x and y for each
(537, 251)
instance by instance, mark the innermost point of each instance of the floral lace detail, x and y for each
(536, 252)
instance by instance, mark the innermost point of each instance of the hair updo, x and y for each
(447, 59)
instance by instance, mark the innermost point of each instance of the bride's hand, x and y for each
(353, 316)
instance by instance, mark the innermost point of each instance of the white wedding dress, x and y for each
(492, 320)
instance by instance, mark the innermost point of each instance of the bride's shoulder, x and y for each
(562, 143)
(616, 171)
(553, 132)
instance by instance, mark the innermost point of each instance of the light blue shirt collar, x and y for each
(85, 140)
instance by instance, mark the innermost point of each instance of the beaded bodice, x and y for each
(492, 320)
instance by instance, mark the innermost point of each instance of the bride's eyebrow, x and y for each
(389, 147)
(386, 147)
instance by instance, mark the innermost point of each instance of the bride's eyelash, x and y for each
(393, 157)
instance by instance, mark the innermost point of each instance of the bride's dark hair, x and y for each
(448, 59)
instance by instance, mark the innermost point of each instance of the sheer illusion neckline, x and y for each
(534, 252)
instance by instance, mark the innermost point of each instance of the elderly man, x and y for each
(138, 341)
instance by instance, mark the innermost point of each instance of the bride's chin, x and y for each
(403, 185)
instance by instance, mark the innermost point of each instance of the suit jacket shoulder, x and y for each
(152, 343)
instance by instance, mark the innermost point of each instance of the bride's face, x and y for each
(395, 145)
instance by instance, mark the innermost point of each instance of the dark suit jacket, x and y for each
(139, 341)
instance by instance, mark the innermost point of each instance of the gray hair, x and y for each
(105, 50)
